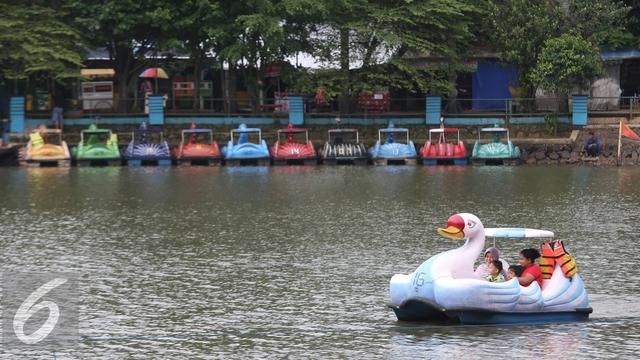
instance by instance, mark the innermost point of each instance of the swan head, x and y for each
(462, 226)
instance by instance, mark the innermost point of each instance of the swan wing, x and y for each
(530, 298)
(477, 294)
(564, 294)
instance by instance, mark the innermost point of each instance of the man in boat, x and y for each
(592, 145)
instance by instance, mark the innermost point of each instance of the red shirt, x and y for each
(534, 271)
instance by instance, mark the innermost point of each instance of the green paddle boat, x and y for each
(97, 147)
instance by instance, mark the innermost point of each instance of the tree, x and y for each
(381, 37)
(256, 33)
(38, 40)
(129, 30)
(192, 27)
(633, 23)
(567, 63)
(521, 27)
(601, 22)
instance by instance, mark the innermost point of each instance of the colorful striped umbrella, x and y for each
(155, 72)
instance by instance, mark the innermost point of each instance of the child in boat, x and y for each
(495, 271)
(515, 271)
(490, 255)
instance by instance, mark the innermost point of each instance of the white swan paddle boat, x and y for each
(444, 289)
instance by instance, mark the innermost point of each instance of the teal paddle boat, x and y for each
(495, 152)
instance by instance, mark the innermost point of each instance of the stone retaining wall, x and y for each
(570, 153)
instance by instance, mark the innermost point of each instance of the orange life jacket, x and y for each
(547, 260)
(555, 253)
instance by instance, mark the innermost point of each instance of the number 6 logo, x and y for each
(30, 307)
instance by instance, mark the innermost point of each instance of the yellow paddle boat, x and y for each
(46, 148)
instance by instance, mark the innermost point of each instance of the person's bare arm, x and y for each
(526, 280)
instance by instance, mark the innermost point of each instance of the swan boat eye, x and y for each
(471, 224)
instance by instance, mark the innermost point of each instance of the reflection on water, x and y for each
(276, 261)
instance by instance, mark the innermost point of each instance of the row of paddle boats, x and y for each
(99, 146)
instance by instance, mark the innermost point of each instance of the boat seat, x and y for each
(449, 149)
(36, 140)
(113, 139)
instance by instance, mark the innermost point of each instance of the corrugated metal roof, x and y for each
(620, 54)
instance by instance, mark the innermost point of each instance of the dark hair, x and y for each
(531, 254)
(517, 269)
(497, 264)
(591, 133)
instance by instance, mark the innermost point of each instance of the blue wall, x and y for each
(491, 81)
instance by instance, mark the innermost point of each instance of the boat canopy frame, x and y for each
(517, 233)
(246, 131)
(295, 131)
(108, 132)
(198, 131)
(494, 130)
(343, 131)
(146, 131)
(392, 131)
(46, 132)
(444, 131)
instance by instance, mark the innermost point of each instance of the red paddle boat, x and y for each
(292, 151)
(443, 152)
(197, 147)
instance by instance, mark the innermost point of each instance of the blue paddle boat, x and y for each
(396, 149)
(245, 152)
(445, 289)
(144, 151)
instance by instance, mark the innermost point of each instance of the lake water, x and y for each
(295, 261)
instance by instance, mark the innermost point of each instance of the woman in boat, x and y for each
(531, 271)
(490, 255)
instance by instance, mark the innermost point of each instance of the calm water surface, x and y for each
(276, 262)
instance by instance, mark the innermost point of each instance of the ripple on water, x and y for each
(270, 262)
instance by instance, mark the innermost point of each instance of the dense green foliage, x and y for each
(38, 40)
(567, 63)
(522, 27)
(413, 46)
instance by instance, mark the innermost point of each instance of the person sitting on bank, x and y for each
(495, 271)
(490, 255)
(592, 145)
(531, 271)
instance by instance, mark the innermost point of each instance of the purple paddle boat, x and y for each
(144, 151)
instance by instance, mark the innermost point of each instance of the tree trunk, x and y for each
(231, 83)
(344, 67)
(196, 82)
(372, 45)
(122, 56)
(344, 49)
(453, 105)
